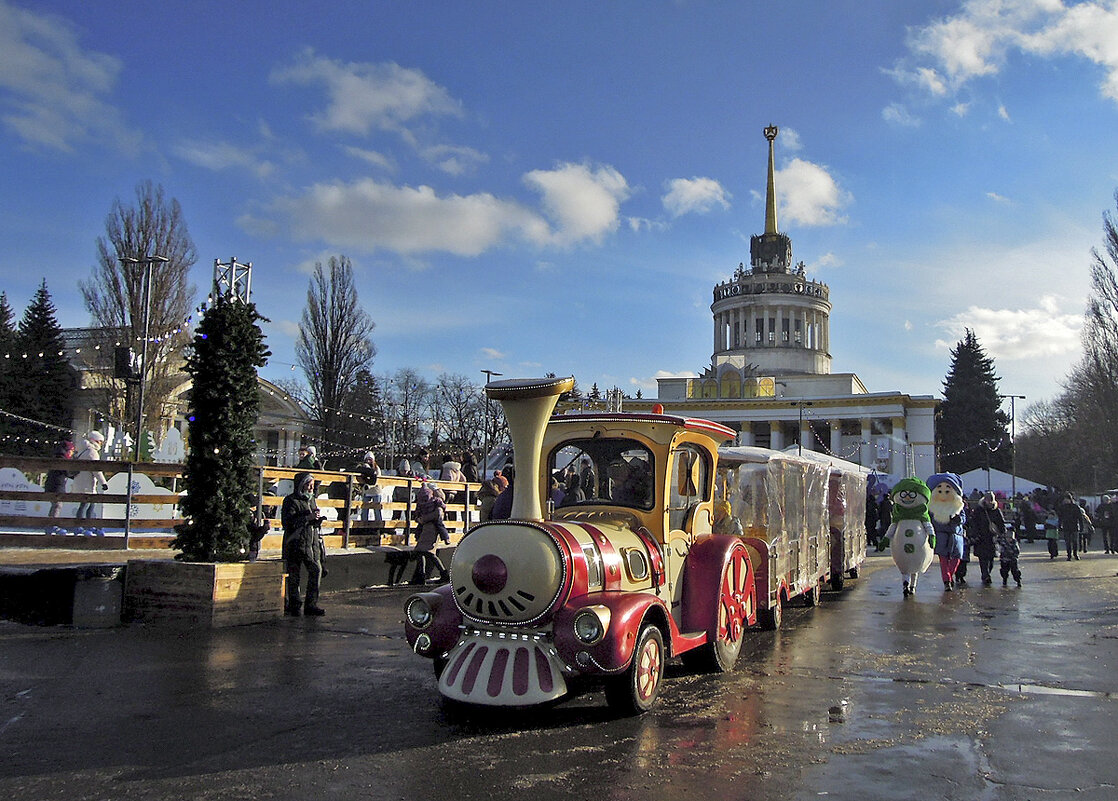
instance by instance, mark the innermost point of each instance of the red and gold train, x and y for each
(611, 586)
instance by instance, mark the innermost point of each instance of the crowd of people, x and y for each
(988, 527)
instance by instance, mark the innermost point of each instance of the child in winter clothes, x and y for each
(1008, 551)
(429, 509)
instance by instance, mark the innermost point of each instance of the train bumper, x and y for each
(493, 671)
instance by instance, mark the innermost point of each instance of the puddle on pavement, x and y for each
(1024, 689)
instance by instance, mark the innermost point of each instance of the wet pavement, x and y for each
(984, 693)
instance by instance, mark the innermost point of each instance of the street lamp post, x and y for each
(485, 433)
(148, 263)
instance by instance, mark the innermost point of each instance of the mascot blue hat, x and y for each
(951, 478)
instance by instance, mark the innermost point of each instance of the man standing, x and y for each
(1106, 516)
(302, 546)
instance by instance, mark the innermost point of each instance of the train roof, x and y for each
(750, 454)
(715, 431)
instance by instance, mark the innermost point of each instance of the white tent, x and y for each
(982, 480)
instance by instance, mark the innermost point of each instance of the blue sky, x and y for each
(529, 187)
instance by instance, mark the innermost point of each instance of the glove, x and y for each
(882, 544)
(104, 488)
(932, 540)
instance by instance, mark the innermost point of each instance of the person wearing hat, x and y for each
(984, 528)
(308, 458)
(910, 536)
(90, 481)
(58, 481)
(946, 509)
(302, 547)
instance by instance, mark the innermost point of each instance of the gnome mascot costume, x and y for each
(949, 519)
(910, 536)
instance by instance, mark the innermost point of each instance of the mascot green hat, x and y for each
(910, 513)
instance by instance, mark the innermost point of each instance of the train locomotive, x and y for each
(606, 588)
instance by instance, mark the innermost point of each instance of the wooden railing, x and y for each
(364, 515)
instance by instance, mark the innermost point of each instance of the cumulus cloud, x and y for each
(222, 156)
(1045, 331)
(897, 114)
(54, 94)
(583, 201)
(808, 195)
(363, 97)
(976, 42)
(694, 196)
(370, 215)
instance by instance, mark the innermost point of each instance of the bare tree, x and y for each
(461, 412)
(335, 340)
(114, 294)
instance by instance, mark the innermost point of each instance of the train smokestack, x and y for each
(528, 403)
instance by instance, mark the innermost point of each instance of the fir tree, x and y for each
(219, 471)
(41, 384)
(7, 372)
(971, 430)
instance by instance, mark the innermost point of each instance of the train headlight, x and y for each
(418, 612)
(590, 624)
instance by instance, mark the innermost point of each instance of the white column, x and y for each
(807, 439)
(776, 435)
(898, 445)
(745, 436)
(865, 453)
(836, 437)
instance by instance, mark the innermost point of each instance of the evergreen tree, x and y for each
(40, 385)
(219, 471)
(7, 371)
(971, 429)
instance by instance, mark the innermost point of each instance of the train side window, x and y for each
(690, 483)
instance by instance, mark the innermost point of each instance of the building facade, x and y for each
(770, 374)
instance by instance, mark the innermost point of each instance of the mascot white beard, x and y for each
(944, 510)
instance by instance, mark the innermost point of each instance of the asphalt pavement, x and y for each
(983, 693)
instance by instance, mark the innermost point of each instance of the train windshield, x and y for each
(601, 470)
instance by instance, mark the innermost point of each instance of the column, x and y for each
(745, 436)
(776, 435)
(836, 438)
(865, 452)
(899, 444)
(807, 439)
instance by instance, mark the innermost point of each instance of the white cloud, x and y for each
(1043, 332)
(221, 156)
(369, 215)
(960, 109)
(828, 259)
(54, 93)
(1003, 112)
(975, 42)
(789, 139)
(694, 196)
(493, 353)
(808, 195)
(364, 97)
(994, 196)
(582, 201)
(454, 159)
(376, 158)
(897, 114)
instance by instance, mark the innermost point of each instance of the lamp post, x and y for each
(485, 434)
(1013, 442)
(148, 263)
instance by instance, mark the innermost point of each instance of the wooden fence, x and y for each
(145, 516)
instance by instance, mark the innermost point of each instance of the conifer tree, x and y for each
(39, 384)
(7, 371)
(219, 474)
(971, 429)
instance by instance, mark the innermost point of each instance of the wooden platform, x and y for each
(203, 593)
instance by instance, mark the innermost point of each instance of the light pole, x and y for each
(485, 434)
(148, 263)
(1013, 442)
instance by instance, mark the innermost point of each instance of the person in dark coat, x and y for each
(59, 481)
(1106, 518)
(469, 466)
(502, 507)
(302, 546)
(983, 529)
(429, 509)
(1071, 519)
(884, 515)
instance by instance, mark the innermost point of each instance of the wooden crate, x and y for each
(203, 593)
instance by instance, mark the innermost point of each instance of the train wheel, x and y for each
(721, 654)
(637, 690)
(771, 619)
(813, 596)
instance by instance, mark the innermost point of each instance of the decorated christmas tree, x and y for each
(219, 472)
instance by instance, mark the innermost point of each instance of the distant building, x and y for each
(770, 374)
(280, 426)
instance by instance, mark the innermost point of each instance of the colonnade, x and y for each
(795, 326)
(866, 454)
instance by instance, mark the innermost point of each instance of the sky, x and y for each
(530, 187)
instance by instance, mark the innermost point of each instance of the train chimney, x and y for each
(528, 403)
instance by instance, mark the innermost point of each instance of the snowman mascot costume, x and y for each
(910, 535)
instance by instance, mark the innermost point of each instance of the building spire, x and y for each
(770, 195)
